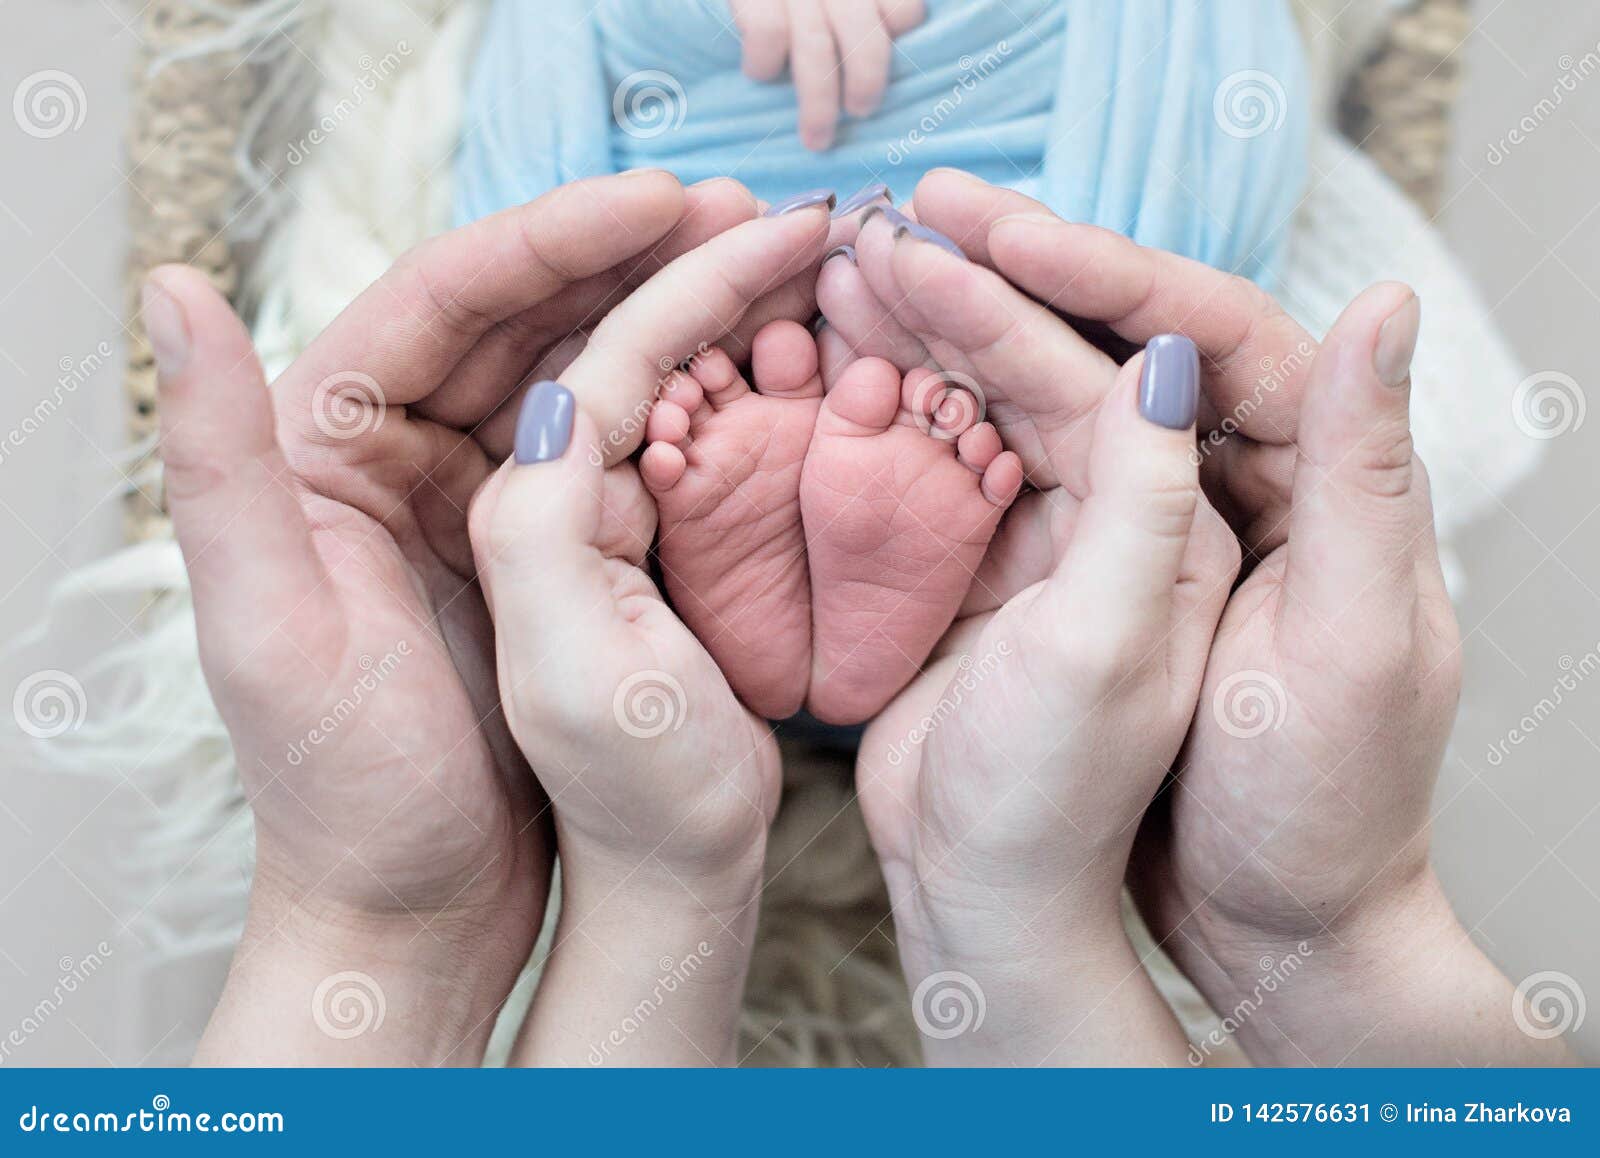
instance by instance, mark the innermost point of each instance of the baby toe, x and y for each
(682, 389)
(718, 377)
(668, 422)
(866, 397)
(1002, 480)
(661, 466)
(979, 446)
(783, 361)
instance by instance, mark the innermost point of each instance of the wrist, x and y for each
(1046, 980)
(648, 966)
(1396, 980)
(313, 983)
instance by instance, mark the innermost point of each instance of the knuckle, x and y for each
(435, 298)
(1384, 459)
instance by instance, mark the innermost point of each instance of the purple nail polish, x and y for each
(1169, 384)
(544, 425)
(877, 191)
(804, 200)
(904, 226)
(840, 251)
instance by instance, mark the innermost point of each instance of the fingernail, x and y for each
(904, 226)
(544, 426)
(1397, 343)
(804, 200)
(818, 324)
(1169, 384)
(166, 326)
(841, 251)
(877, 191)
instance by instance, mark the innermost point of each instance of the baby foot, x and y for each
(902, 490)
(723, 461)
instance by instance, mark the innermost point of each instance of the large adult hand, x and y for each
(399, 846)
(1296, 832)
(1306, 448)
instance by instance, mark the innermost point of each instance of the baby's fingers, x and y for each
(764, 35)
(814, 60)
(864, 52)
(1127, 552)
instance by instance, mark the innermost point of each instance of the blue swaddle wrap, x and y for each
(1181, 123)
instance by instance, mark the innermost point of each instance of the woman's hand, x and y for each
(1295, 837)
(1003, 788)
(401, 855)
(662, 784)
(1347, 629)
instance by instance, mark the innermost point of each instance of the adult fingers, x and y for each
(252, 565)
(504, 357)
(537, 533)
(1041, 379)
(691, 303)
(856, 314)
(1254, 356)
(1353, 530)
(963, 207)
(407, 331)
(1115, 582)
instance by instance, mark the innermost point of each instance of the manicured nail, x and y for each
(877, 191)
(166, 326)
(544, 426)
(1397, 343)
(841, 251)
(904, 227)
(806, 200)
(1169, 385)
(818, 324)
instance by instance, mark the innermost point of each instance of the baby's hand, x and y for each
(819, 39)
(1004, 788)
